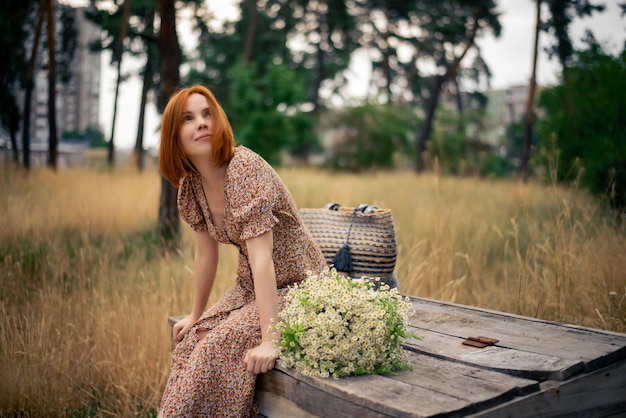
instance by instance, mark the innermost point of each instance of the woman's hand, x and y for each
(181, 328)
(261, 358)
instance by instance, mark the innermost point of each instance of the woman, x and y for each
(228, 195)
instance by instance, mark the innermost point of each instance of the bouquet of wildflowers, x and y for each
(338, 326)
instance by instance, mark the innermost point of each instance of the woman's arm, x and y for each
(205, 267)
(261, 358)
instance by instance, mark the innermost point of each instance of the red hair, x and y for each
(173, 163)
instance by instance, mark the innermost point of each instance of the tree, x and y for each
(562, 13)
(259, 104)
(330, 32)
(52, 80)
(453, 26)
(386, 26)
(62, 54)
(66, 53)
(13, 35)
(250, 50)
(372, 136)
(28, 87)
(150, 69)
(437, 34)
(118, 54)
(591, 143)
(67, 42)
(132, 28)
(528, 115)
(10, 119)
(170, 57)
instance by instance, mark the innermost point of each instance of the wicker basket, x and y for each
(371, 239)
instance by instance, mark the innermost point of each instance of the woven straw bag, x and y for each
(359, 241)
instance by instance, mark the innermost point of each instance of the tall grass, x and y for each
(85, 289)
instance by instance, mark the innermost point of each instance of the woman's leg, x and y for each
(212, 379)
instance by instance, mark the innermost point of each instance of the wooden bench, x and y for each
(536, 369)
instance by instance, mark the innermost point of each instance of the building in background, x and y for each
(77, 101)
(505, 106)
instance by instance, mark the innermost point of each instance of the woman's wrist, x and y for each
(273, 339)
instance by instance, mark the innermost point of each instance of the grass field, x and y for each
(85, 290)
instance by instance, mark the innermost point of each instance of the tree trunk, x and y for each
(252, 20)
(170, 59)
(119, 52)
(431, 106)
(322, 32)
(30, 72)
(148, 76)
(16, 155)
(52, 119)
(12, 123)
(111, 145)
(528, 117)
(318, 75)
(433, 100)
(458, 96)
(386, 64)
(146, 86)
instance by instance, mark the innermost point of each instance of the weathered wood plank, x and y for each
(582, 369)
(527, 347)
(502, 359)
(527, 330)
(601, 393)
(433, 387)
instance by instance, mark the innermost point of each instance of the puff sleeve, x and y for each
(254, 197)
(189, 206)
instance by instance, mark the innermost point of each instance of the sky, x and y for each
(509, 58)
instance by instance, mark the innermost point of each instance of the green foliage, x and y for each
(586, 117)
(495, 166)
(514, 137)
(142, 40)
(95, 137)
(442, 28)
(562, 13)
(263, 110)
(219, 52)
(370, 136)
(456, 141)
(448, 143)
(337, 326)
(67, 42)
(326, 34)
(263, 84)
(92, 136)
(140, 26)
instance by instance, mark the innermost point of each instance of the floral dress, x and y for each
(208, 377)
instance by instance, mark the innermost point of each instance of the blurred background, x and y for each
(459, 82)
(509, 57)
(493, 130)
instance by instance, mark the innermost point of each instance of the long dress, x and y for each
(208, 377)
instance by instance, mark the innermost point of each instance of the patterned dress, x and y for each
(208, 377)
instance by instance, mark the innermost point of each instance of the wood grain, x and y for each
(536, 368)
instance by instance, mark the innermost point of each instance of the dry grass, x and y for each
(85, 290)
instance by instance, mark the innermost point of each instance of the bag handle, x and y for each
(363, 207)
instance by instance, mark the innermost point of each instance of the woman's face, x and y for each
(196, 130)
